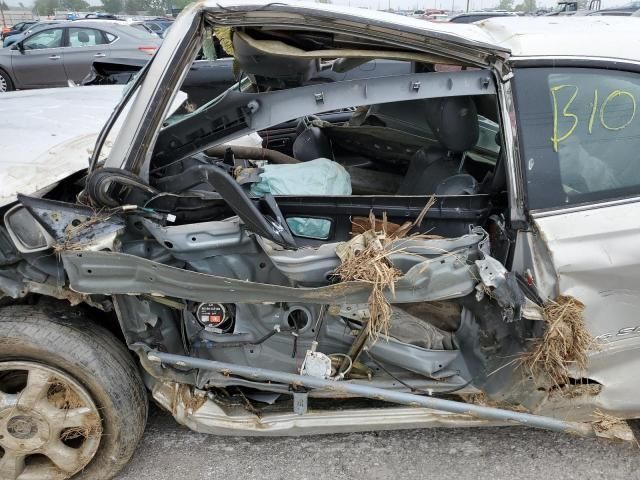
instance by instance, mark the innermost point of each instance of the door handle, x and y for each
(54, 57)
(99, 55)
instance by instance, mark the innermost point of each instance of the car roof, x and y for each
(561, 36)
(523, 36)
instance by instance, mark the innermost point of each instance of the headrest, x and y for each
(83, 37)
(454, 121)
(311, 144)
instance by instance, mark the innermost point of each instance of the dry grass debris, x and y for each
(365, 258)
(61, 396)
(91, 429)
(564, 344)
(483, 400)
(603, 422)
(612, 428)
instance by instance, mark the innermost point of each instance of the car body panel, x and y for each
(78, 56)
(68, 122)
(27, 67)
(593, 252)
(610, 37)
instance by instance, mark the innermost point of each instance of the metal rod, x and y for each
(489, 413)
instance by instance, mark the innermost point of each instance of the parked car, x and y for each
(18, 28)
(57, 54)
(470, 17)
(302, 257)
(158, 26)
(436, 17)
(11, 39)
(614, 13)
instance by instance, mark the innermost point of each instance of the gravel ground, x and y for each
(171, 452)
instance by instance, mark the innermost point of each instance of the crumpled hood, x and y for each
(47, 135)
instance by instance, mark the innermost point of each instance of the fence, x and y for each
(11, 17)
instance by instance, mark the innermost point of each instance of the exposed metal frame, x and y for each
(513, 163)
(249, 112)
(134, 142)
(301, 381)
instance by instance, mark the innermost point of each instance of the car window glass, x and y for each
(154, 27)
(580, 131)
(85, 37)
(140, 33)
(46, 39)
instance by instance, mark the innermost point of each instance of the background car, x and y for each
(37, 26)
(159, 26)
(61, 53)
(470, 17)
(18, 28)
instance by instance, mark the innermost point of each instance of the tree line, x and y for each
(152, 7)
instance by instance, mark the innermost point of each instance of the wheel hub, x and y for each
(23, 430)
(46, 413)
(22, 427)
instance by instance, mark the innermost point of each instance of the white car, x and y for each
(451, 246)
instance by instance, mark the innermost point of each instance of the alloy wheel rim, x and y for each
(50, 428)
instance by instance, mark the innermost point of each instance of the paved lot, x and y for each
(171, 452)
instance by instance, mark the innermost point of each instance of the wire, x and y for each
(319, 321)
(410, 387)
(340, 375)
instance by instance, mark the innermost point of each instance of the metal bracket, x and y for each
(300, 402)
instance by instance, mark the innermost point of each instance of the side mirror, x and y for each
(17, 46)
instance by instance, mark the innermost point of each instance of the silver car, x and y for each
(61, 53)
(453, 245)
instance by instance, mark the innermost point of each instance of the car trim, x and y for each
(609, 63)
(550, 212)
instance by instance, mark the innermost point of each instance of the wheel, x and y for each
(72, 403)
(6, 85)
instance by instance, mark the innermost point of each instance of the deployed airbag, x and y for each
(317, 177)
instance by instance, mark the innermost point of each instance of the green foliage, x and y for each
(133, 6)
(180, 3)
(527, 6)
(46, 7)
(505, 5)
(152, 7)
(112, 6)
(75, 5)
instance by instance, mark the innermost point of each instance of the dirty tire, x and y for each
(97, 361)
(6, 85)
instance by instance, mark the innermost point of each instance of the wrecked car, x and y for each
(451, 246)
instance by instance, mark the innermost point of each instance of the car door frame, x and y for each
(557, 261)
(134, 144)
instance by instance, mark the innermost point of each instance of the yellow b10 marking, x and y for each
(556, 137)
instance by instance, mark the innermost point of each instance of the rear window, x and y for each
(580, 134)
(141, 32)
